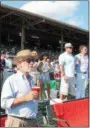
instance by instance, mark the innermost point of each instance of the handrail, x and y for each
(61, 120)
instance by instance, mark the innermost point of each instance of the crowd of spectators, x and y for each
(13, 50)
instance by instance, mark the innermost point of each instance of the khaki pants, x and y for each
(67, 87)
(16, 122)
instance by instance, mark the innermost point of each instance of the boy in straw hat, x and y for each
(17, 98)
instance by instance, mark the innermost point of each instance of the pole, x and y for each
(0, 31)
(0, 57)
(62, 42)
(0, 26)
(22, 36)
(8, 42)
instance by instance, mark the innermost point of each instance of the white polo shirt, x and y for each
(67, 60)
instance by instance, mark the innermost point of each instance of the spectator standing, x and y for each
(8, 66)
(82, 69)
(2, 65)
(57, 71)
(17, 97)
(67, 68)
(53, 63)
(51, 70)
(44, 69)
(33, 70)
(35, 56)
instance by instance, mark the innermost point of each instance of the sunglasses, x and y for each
(29, 60)
(70, 47)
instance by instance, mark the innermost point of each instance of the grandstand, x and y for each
(21, 29)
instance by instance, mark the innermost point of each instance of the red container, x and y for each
(37, 89)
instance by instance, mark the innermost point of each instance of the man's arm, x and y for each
(8, 100)
(62, 70)
(39, 67)
(61, 63)
(29, 97)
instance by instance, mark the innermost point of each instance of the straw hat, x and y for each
(22, 55)
(35, 54)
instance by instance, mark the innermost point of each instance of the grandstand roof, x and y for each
(31, 21)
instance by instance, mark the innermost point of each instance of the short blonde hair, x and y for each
(81, 47)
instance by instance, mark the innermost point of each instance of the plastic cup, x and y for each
(37, 89)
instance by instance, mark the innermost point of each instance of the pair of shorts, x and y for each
(45, 78)
(68, 86)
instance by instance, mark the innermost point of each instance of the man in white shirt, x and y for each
(67, 68)
(82, 68)
(17, 97)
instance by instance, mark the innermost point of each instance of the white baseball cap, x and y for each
(67, 45)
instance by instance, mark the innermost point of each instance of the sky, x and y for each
(71, 12)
